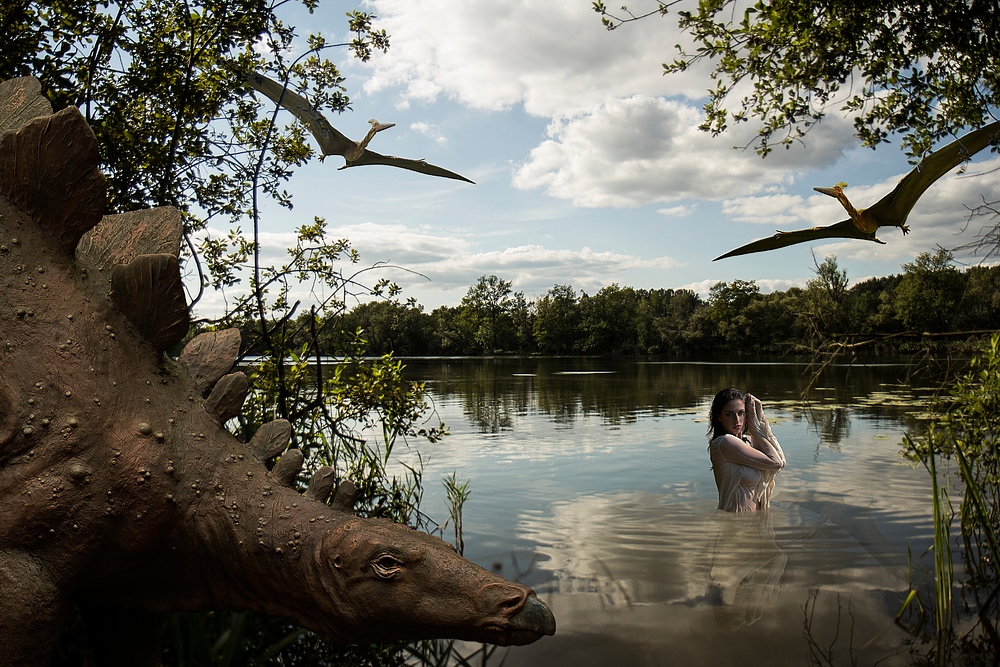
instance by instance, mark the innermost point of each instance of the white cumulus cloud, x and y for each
(551, 56)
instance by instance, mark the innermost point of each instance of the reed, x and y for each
(966, 430)
(457, 495)
(944, 573)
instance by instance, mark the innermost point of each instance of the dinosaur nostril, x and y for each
(504, 598)
(512, 603)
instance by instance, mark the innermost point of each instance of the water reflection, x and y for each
(860, 523)
(594, 488)
(832, 424)
(496, 392)
(638, 566)
(741, 567)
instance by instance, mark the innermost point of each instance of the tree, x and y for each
(870, 306)
(663, 321)
(678, 327)
(652, 305)
(980, 307)
(607, 321)
(557, 318)
(728, 306)
(929, 292)
(488, 305)
(823, 308)
(161, 84)
(449, 335)
(923, 69)
(522, 317)
(390, 328)
(771, 322)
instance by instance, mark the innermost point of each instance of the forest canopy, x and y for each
(930, 300)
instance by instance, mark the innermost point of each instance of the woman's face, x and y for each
(732, 417)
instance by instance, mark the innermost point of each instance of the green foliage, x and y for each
(729, 311)
(966, 432)
(923, 69)
(607, 321)
(823, 307)
(930, 300)
(928, 295)
(161, 83)
(556, 320)
(522, 323)
(388, 326)
(981, 299)
(488, 313)
(449, 335)
(447, 653)
(232, 639)
(679, 327)
(869, 306)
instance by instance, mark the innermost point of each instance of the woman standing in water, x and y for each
(745, 454)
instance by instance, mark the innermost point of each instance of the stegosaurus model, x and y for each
(119, 488)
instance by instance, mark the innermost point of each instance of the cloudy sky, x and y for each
(588, 163)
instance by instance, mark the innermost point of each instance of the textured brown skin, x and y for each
(120, 491)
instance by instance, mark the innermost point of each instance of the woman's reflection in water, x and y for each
(741, 568)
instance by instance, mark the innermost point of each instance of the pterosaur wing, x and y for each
(843, 229)
(330, 141)
(371, 157)
(897, 204)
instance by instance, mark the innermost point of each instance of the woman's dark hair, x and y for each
(715, 428)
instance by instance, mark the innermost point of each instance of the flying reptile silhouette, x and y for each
(889, 211)
(332, 142)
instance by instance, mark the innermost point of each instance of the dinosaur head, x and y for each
(399, 583)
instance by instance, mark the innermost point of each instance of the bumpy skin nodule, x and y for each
(120, 490)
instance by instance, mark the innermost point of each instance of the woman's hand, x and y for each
(759, 427)
(755, 415)
(756, 420)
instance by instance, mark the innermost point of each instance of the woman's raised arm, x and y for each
(737, 451)
(759, 429)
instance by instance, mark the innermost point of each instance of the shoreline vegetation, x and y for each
(932, 304)
(933, 311)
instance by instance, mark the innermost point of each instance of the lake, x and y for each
(590, 482)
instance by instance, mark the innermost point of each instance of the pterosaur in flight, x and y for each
(332, 142)
(892, 209)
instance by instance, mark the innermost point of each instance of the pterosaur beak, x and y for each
(830, 192)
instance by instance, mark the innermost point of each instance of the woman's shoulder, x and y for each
(727, 438)
(719, 439)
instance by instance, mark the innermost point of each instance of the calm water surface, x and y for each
(590, 482)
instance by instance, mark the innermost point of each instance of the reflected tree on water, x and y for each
(832, 425)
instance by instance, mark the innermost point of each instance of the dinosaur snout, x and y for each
(518, 616)
(533, 621)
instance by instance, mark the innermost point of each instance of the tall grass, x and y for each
(966, 430)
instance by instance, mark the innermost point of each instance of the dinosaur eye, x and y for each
(386, 566)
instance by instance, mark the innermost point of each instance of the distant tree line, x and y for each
(930, 296)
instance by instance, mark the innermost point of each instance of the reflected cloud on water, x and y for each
(641, 565)
(594, 488)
